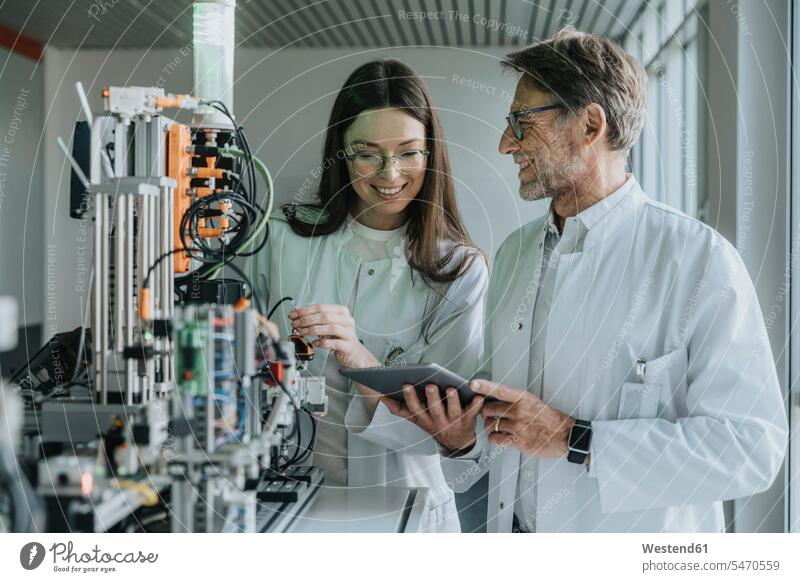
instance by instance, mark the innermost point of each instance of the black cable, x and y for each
(253, 293)
(246, 213)
(278, 304)
(238, 131)
(201, 250)
(298, 456)
(152, 268)
(313, 442)
(296, 430)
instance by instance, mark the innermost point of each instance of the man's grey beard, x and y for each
(533, 190)
(546, 185)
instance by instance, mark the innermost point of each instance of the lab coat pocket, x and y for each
(638, 400)
(664, 377)
(667, 375)
(393, 355)
(388, 350)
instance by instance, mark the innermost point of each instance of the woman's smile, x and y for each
(389, 193)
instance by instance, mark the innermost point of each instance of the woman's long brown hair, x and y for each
(433, 216)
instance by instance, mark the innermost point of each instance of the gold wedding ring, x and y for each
(497, 424)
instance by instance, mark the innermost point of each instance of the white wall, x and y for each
(283, 99)
(21, 196)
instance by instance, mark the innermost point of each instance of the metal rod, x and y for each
(97, 294)
(87, 111)
(121, 305)
(130, 293)
(103, 219)
(74, 163)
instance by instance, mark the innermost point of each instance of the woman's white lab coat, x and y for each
(391, 311)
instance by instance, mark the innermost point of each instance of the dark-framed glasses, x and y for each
(513, 118)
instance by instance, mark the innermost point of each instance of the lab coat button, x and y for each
(371, 272)
(519, 325)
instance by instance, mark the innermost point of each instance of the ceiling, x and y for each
(315, 23)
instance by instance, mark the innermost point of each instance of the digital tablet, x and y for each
(390, 380)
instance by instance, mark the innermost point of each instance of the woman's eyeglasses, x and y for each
(368, 163)
(516, 126)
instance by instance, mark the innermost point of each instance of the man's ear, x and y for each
(594, 124)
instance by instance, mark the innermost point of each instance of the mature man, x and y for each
(625, 346)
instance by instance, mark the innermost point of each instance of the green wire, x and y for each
(262, 169)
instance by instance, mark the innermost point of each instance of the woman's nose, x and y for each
(389, 169)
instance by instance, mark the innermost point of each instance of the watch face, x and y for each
(580, 437)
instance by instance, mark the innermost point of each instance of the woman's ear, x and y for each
(594, 124)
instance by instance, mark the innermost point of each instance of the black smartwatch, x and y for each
(580, 439)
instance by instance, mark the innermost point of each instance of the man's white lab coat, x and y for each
(708, 422)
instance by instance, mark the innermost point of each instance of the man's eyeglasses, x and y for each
(368, 163)
(513, 118)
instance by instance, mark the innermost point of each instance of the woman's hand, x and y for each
(452, 425)
(335, 330)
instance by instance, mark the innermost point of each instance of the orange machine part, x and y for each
(178, 164)
(224, 223)
(202, 191)
(207, 173)
(206, 232)
(174, 102)
(145, 304)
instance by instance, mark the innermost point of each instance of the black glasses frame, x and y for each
(513, 118)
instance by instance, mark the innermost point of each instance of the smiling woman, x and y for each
(388, 171)
(385, 109)
(381, 271)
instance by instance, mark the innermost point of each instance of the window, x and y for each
(793, 259)
(665, 39)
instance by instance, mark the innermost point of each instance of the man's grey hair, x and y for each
(577, 69)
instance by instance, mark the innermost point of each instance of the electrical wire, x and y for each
(278, 304)
(249, 232)
(158, 260)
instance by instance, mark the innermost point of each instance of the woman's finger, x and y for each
(335, 345)
(316, 308)
(320, 318)
(326, 330)
(396, 408)
(435, 406)
(454, 410)
(474, 408)
(412, 402)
